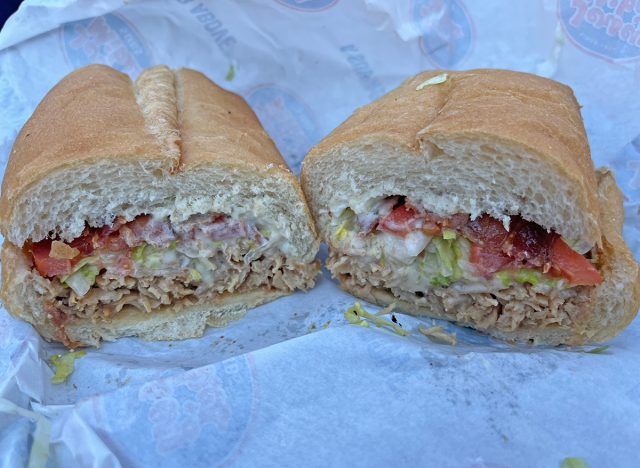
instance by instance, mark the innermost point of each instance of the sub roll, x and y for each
(150, 208)
(471, 196)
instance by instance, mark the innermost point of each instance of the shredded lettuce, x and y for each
(448, 234)
(204, 268)
(151, 257)
(433, 81)
(264, 232)
(504, 277)
(526, 275)
(195, 274)
(440, 280)
(137, 254)
(347, 219)
(64, 364)
(574, 462)
(82, 280)
(358, 316)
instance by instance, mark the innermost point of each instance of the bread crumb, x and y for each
(438, 335)
(387, 310)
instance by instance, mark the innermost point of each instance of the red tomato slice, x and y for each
(46, 265)
(488, 260)
(400, 221)
(571, 265)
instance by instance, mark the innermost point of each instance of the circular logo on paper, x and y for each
(209, 407)
(308, 5)
(287, 120)
(447, 31)
(609, 29)
(108, 39)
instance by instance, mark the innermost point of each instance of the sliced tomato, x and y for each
(400, 221)
(488, 260)
(46, 265)
(569, 264)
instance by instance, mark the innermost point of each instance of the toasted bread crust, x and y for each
(175, 121)
(525, 112)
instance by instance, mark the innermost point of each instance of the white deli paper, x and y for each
(292, 383)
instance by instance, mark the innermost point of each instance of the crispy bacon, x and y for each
(528, 242)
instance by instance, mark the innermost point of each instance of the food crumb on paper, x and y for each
(438, 335)
(64, 365)
(358, 316)
(231, 73)
(433, 81)
(387, 310)
(574, 462)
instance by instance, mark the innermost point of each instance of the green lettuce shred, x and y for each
(231, 73)
(504, 277)
(347, 219)
(358, 316)
(137, 254)
(448, 234)
(433, 81)
(574, 462)
(82, 279)
(526, 275)
(64, 364)
(195, 274)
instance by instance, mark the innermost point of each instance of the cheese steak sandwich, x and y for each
(147, 209)
(471, 196)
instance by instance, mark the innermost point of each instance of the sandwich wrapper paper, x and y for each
(293, 383)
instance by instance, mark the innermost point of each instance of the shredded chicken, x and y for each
(110, 295)
(515, 307)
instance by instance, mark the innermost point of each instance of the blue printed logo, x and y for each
(447, 31)
(108, 39)
(287, 120)
(609, 29)
(209, 407)
(308, 5)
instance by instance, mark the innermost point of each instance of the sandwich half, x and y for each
(148, 209)
(471, 196)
